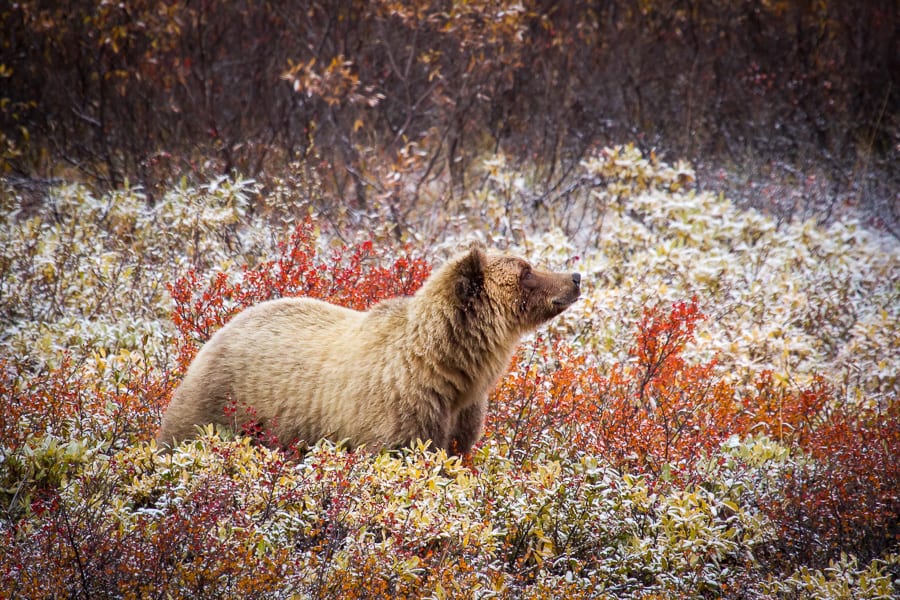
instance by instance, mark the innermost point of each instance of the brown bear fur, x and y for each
(410, 368)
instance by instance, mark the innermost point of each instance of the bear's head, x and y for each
(509, 291)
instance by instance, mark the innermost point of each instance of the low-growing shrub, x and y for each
(716, 417)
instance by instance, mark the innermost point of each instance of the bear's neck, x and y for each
(469, 350)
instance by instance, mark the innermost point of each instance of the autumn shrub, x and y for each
(844, 498)
(94, 542)
(658, 415)
(794, 299)
(240, 519)
(85, 275)
(364, 91)
(843, 579)
(716, 416)
(86, 339)
(653, 412)
(120, 403)
(350, 276)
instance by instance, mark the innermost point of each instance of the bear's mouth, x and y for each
(563, 302)
(567, 300)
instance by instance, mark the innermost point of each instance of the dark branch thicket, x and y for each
(802, 95)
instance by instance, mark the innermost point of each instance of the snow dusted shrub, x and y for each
(791, 298)
(716, 417)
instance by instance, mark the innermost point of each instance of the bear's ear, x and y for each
(470, 273)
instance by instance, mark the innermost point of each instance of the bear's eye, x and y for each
(527, 275)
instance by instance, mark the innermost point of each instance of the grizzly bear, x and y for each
(414, 368)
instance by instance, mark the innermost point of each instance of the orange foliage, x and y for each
(654, 413)
(350, 277)
(848, 496)
(787, 415)
(71, 402)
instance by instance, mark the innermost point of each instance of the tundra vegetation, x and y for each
(717, 416)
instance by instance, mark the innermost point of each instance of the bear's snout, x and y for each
(567, 290)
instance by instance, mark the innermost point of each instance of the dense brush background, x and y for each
(718, 415)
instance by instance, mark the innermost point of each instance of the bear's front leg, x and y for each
(468, 428)
(431, 423)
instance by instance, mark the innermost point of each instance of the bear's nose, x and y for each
(576, 277)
